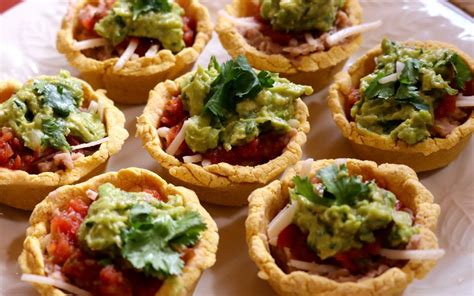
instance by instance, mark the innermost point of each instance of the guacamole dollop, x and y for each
(404, 108)
(300, 15)
(231, 104)
(135, 226)
(344, 212)
(43, 112)
(161, 20)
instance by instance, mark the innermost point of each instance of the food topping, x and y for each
(411, 95)
(44, 118)
(123, 243)
(231, 113)
(343, 227)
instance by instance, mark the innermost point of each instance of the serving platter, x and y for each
(27, 48)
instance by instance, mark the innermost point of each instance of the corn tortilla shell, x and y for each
(131, 84)
(21, 190)
(266, 202)
(132, 179)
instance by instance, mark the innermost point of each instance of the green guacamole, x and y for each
(43, 112)
(343, 212)
(159, 20)
(137, 227)
(301, 15)
(231, 104)
(404, 109)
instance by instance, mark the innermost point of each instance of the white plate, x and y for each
(27, 48)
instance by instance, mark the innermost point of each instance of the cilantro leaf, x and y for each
(343, 187)
(236, 81)
(410, 73)
(59, 98)
(378, 90)
(149, 243)
(411, 95)
(305, 188)
(463, 73)
(144, 6)
(54, 130)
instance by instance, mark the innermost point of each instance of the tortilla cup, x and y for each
(31, 259)
(316, 69)
(131, 84)
(221, 183)
(21, 190)
(266, 202)
(429, 154)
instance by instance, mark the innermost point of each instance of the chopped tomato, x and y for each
(113, 283)
(468, 88)
(173, 112)
(183, 149)
(188, 31)
(352, 259)
(353, 97)
(79, 206)
(287, 236)
(291, 237)
(187, 254)
(281, 38)
(156, 194)
(445, 107)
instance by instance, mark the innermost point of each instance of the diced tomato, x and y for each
(281, 38)
(352, 258)
(353, 97)
(156, 194)
(173, 112)
(345, 259)
(79, 206)
(468, 88)
(113, 283)
(82, 270)
(445, 107)
(287, 236)
(188, 31)
(187, 254)
(291, 237)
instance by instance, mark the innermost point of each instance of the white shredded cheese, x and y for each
(91, 144)
(192, 158)
(306, 167)
(389, 78)
(206, 162)
(93, 107)
(35, 137)
(310, 39)
(89, 43)
(127, 54)
(163, 131)
(339, 36)
(247, 22)
(312, 267)
(178, 140)
(39, 279)
(294, 123)
(64, 158)
(432, 254)
(152, 51)
(399, 66)
(463, 103)
(101, 109)
(92, 194)
(280, 222)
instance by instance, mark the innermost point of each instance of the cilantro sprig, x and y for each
(151, 243)
(339, 188)
(144, 6)
(236, 81)
(463, 73)
(58, 97)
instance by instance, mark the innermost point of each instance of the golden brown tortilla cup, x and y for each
(266, 202)
(132, 179)
(131, 84)
(429, 154)
(316, 69)
(21, 190)
(221, 183)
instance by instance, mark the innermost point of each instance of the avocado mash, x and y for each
(344, 212)
(404, 108)
(159, 19)
(231, 104)
(141, 229)
(300, 15)
(44, 111)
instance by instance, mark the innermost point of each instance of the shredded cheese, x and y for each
(39, 279)
(280, 222)
(206, 162)
(246, 22)
(432, 254)
(127, 54)
(163, 131)
(178, 140)
(152, 51)
(312, 267)
(92, 194)
(91, 144)
(89, 43)
(192, 158)
(306, 167)
(339, 36)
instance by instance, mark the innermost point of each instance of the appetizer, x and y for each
(128, 46)
(343, 227)
(227, 127)
(124, 233)
(305, 41)
(54, 130)
(408, 103)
